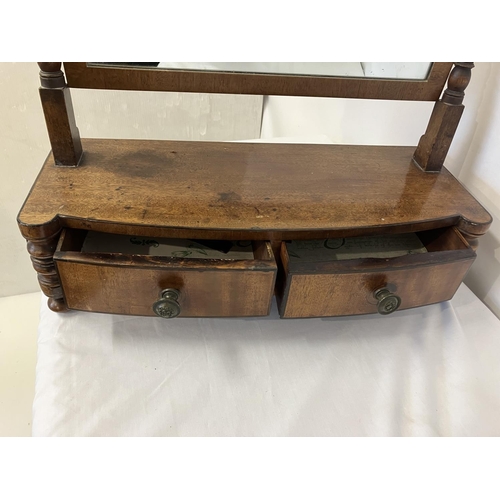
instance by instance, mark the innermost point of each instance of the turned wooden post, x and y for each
(59, 116)
(41, 251)
(435, 143)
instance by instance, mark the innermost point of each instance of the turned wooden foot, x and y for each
(57, 305)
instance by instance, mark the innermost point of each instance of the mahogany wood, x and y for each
(346, 287)
(256, 192)
(79, 75)
(472, 239)
(443, 240)
(130, 284)
(59, 116)
(246, 191)
(310, 295)
(41, 252)
(435, 143)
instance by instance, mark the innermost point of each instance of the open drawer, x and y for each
(146, 276)
(371, 274)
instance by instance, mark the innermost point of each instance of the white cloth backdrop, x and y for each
(430, 371)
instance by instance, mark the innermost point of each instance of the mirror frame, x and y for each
(79, 75)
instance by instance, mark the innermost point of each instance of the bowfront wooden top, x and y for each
(246, 191)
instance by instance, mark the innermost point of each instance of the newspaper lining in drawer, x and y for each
(138, 245)
(384, 246)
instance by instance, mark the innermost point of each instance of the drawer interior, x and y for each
(93, 242)
(338, 253)
(326, 250)
(124, 274)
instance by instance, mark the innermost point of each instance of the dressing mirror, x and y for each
(279, 198)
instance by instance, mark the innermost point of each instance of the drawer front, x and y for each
(316, 295)
(203, 293)
(112, 281)
(316, 287)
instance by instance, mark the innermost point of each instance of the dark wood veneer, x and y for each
(345, 287)
(267, 193)
(247, 191)
(130, 284)
(80, 75)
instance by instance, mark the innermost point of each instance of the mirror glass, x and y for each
(387, 70)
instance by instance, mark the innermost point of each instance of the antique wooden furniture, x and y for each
(266, 194)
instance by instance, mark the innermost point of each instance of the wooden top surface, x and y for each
(276, 191)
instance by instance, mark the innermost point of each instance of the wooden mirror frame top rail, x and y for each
(115, 77)
(268, 193)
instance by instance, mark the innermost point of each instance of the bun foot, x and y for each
(57, 305)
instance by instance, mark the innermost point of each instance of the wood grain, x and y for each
(346, 287)
(320, 295)
(59, 116)
(434, 144)
(246, 191)
(79, 75)
(42, 257)
(263, 192)
(125, 284)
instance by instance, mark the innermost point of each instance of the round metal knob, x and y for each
(387, 302)
(167, 306)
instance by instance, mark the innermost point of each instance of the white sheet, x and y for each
(431, 371)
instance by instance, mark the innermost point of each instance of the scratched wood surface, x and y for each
(246, 191)
(319, 295)
(346, 287)
(130, 284)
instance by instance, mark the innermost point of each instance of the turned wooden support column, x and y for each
(435, 143)
(59, 116)
(42, 256)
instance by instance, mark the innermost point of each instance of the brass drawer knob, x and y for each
(167, 306)
(387, 302)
